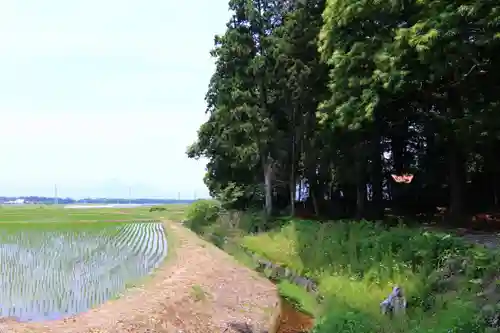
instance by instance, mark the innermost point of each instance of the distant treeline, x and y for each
(51, 200)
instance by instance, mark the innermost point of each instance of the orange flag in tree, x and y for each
(405, 179)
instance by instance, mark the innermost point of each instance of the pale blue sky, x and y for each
(97, 96)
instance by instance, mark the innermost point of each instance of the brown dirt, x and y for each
(200, 289)
(292, 321)
(488, 239)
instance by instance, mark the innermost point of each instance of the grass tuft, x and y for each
(198, 293)
(356, 264)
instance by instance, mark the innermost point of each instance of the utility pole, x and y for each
(178, 196)
(129, 195)
(56, 201)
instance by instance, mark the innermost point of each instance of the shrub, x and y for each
(157, 209)
(456, 318)
(361, 250)
(229, 226)
(202, 213)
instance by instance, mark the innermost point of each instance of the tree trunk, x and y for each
(315, 203)
(376, 175)
(494, 181)
(457, 181)
(397, 147)
(293, 183)
(268, 173)
(494, 159)
(457, 158)
(312, 178)
(293, 189)
(360, 200)
(360, 191)
(301, 188)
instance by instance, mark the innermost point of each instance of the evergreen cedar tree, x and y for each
(312, 99)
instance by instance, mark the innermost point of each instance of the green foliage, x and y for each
(298, 297)
(327, 99)
(173, 212)
(354, 248)
(202, 213)
(157, 209)
(335, 95)
(357, 263)
(341, 317)
(223, 228)
(253, 114)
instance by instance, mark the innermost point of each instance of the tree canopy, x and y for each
(319, 102)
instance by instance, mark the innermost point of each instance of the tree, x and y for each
(327, 99)
(240, 97)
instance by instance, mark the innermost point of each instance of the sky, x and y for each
(99, 96)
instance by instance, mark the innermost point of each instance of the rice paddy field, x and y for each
(42, 214)
(57, 262)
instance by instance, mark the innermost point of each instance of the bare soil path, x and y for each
(488, 239)
(199, 289)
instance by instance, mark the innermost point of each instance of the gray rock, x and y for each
(279, 273)
(305, 283)
(395, 303)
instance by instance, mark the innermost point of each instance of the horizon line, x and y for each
(108, 198)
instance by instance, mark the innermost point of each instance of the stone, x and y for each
(395, 303)
(306, 283)
(279, 273)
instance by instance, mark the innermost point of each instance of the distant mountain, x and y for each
(51, 200)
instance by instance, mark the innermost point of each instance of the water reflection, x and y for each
(50, 274)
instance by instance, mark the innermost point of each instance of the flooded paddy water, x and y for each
(54, 270)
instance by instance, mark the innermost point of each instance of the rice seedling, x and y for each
(54, 270)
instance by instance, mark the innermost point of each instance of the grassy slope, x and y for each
(356, 265)
(451, 286)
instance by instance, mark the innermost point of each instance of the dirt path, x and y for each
(488, 239)
(200, 289)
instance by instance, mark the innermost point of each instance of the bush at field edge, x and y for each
(202, 213)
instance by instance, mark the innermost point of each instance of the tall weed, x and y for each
(357, 263)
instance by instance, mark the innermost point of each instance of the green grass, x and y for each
(299, 298)
(447, 282)
(173, 212)
(198, 293)
(41, 214)
(357, 263)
